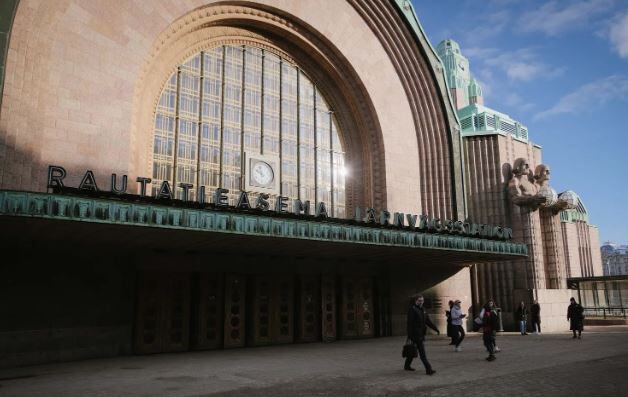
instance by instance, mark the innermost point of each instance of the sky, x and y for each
(560, 67)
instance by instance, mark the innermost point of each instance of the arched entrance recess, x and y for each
(266, 27)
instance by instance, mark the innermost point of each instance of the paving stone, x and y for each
(552, 364)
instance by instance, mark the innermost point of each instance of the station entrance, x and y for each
(179, 311)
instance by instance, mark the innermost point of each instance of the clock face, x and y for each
(461, 66)
(262, 173)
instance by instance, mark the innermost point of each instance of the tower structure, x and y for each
(464, 88)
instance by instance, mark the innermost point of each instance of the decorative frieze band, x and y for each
(54, 206)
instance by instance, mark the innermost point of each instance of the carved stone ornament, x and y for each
(552, 200)
(521, 187)
(542, 177)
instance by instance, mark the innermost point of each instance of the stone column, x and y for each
(553, 254)
(528, 230)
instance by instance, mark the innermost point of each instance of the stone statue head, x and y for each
(521, 167)
(542, 173)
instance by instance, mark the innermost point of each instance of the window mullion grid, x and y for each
(200, 123)
(298, 110)
(316, 198)
(280, 126)
(242, 110)
(261, 122)
(331, 165)
(176, 130)
(222, 116)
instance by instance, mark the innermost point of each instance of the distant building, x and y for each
(615, 259)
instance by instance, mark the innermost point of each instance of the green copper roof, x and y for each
(481, 120)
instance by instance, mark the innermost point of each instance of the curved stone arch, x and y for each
(329, 70)
(438, 136)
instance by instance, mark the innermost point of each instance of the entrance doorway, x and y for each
(178, 311)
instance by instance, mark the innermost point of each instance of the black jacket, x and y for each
(575, 312)
(535, 311)
(522, 313)
(418, 321)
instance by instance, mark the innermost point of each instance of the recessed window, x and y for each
(232, 100)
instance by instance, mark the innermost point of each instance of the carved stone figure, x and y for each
(521, 187)
(542, 176)
(552, 200)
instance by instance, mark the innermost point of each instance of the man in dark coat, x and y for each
(450, 328)
(575, 316)
(522, 317)
(535, 311)
(418, 321)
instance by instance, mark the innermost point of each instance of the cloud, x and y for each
(618, 35)
(523, 65)
(557, 17)
(515, 100)
(492, 25)
(589, 96)
(479, 53)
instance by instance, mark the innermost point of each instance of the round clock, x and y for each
(262, 173)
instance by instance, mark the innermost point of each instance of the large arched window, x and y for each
(232, 100)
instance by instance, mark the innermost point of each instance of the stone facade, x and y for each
(81, 85)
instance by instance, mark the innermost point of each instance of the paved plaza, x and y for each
(550, 364)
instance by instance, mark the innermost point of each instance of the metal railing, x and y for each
(605, 312)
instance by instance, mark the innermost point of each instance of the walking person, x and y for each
(450, 328)
(575, 316)
(522, 317)
(480, 319)
(418, 321)
(456, 323)
(490, 324)
(535, 312)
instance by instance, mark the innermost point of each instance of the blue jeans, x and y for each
(522, 327)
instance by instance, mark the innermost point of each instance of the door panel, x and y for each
(283, 324)
(328, 308)
(210, 321)
(309, 327)
(261, 311)
(163, 312)
(149, 314)
(364, 309)
(349, 327)
(176, 313)
(234, 323)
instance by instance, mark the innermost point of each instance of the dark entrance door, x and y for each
(272, 310)
(163, 312)
(357, 307)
